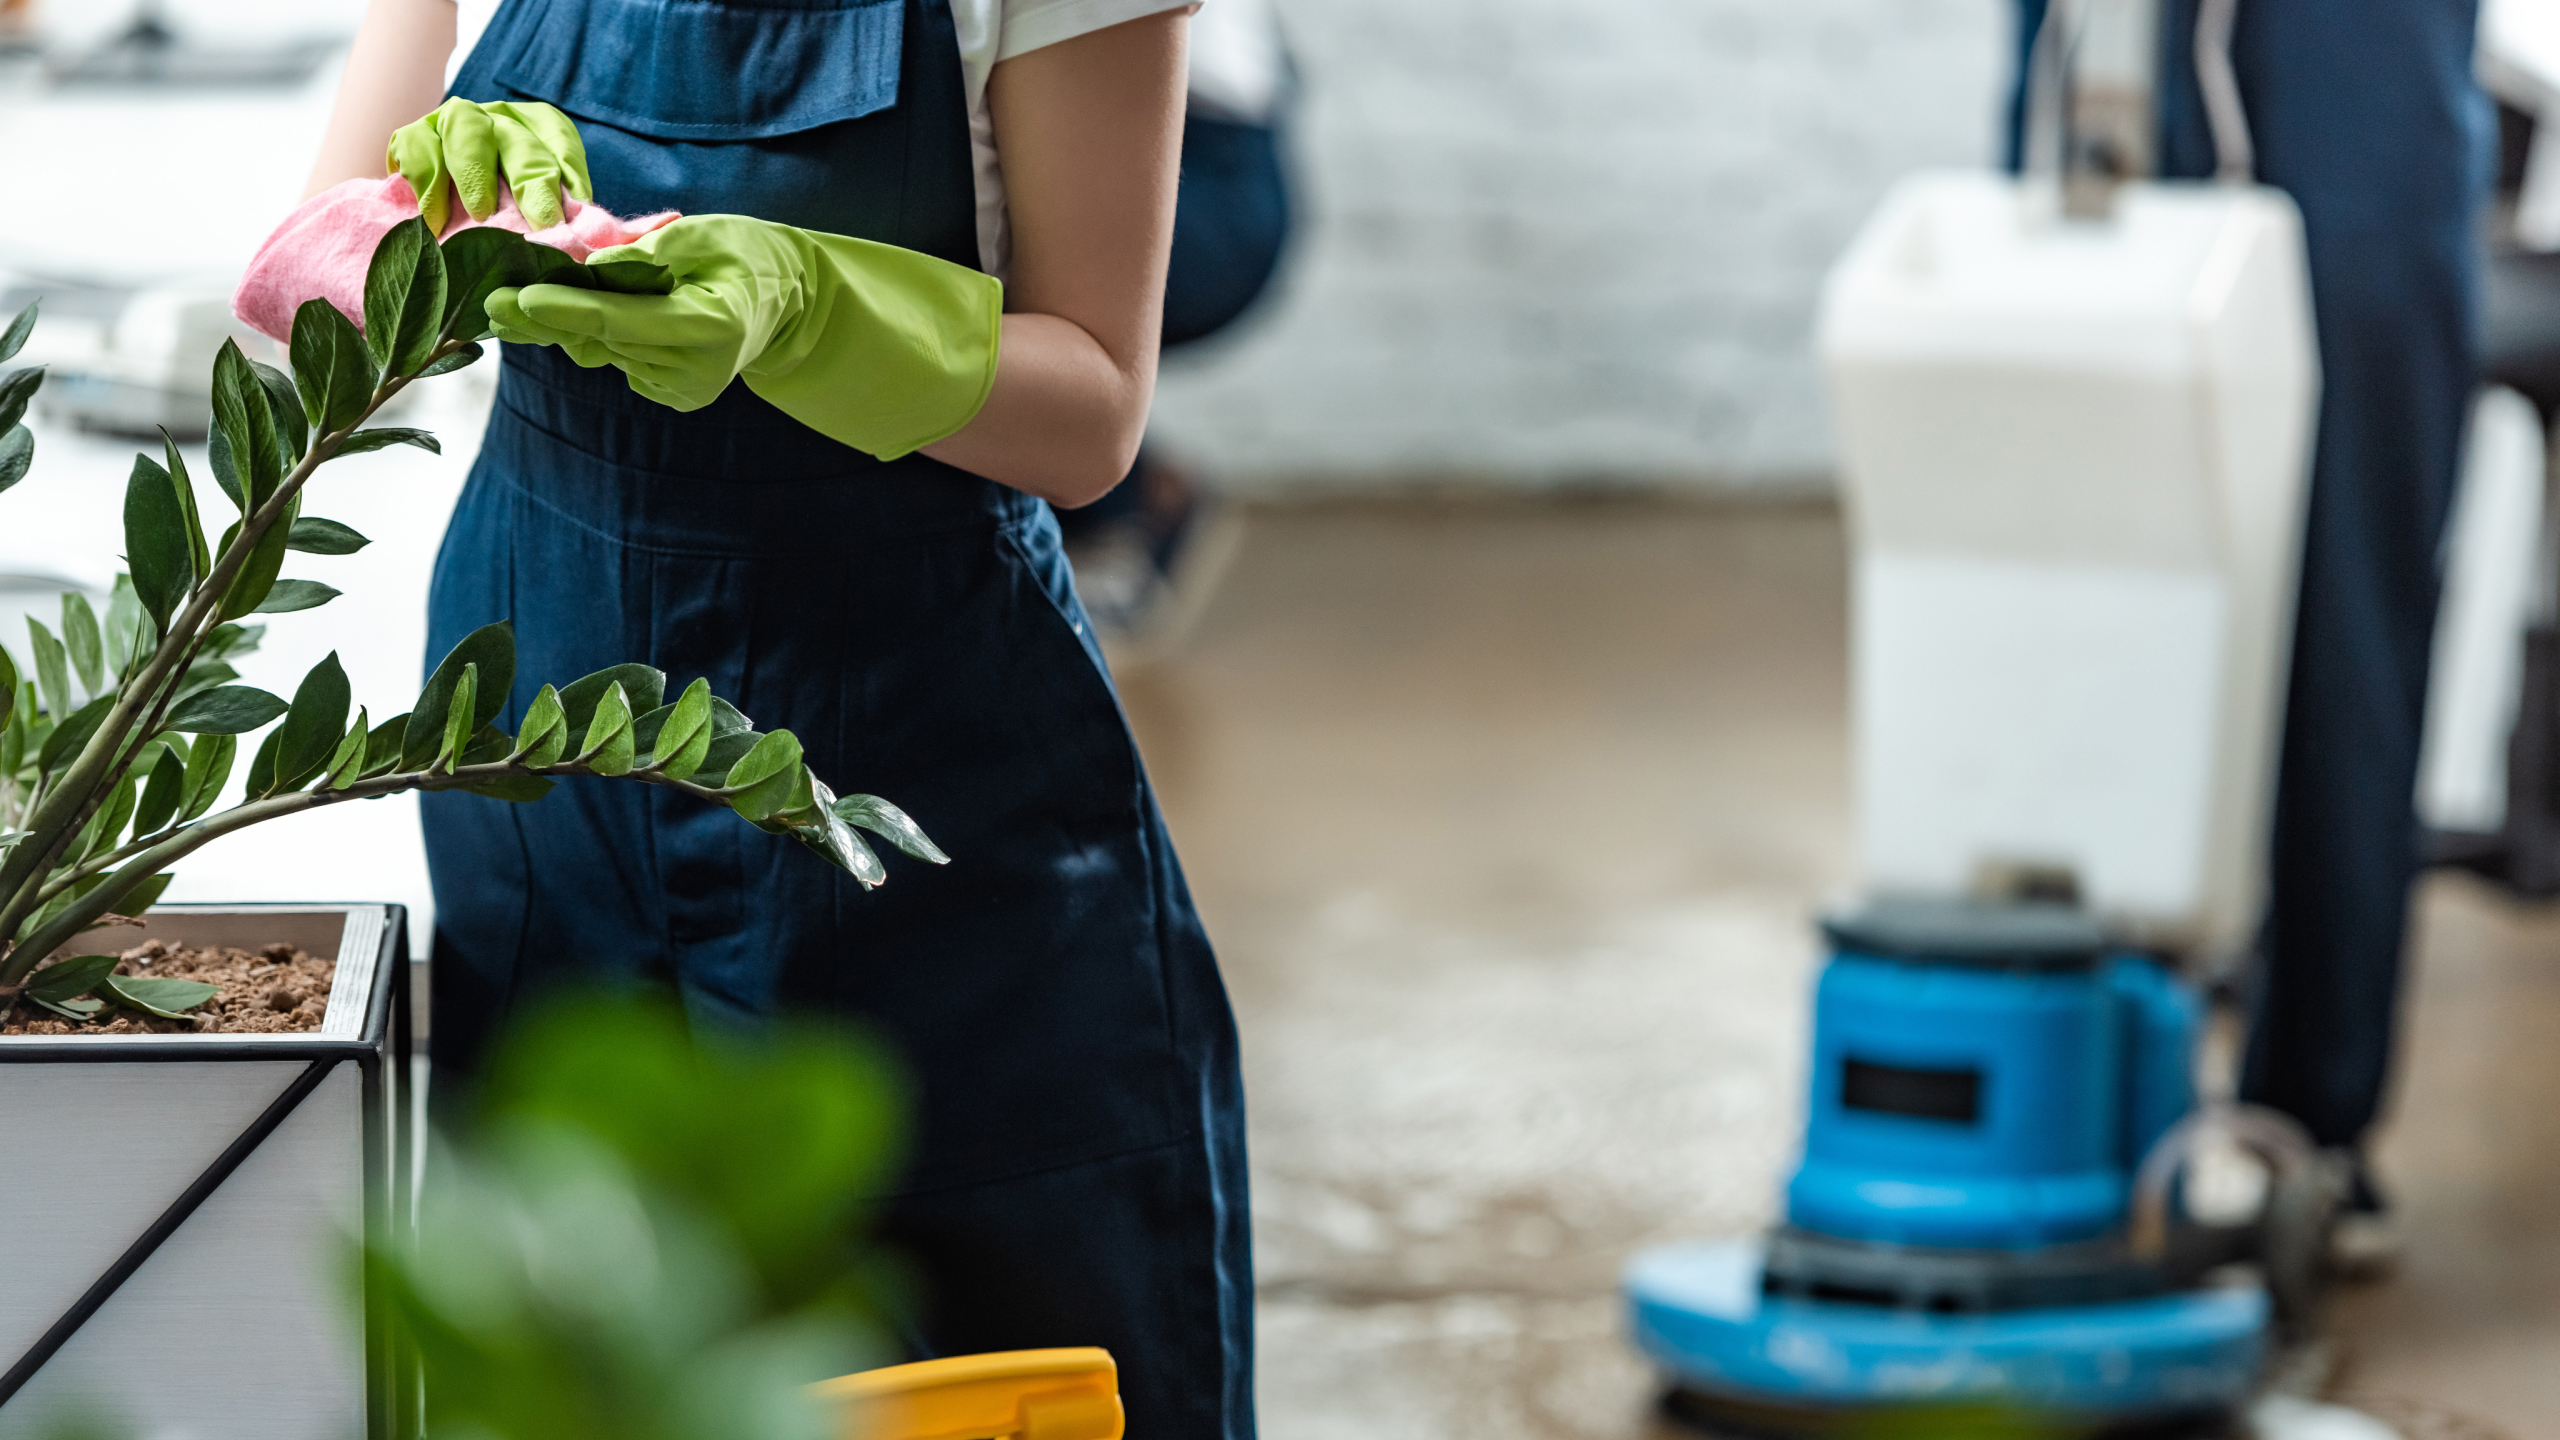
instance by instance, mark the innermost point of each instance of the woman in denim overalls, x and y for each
(1078, 1175)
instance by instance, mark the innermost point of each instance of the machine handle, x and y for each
(2235, 155)
(2052, 143)
(1069, 1394)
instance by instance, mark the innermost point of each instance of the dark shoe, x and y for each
(2366, 1243)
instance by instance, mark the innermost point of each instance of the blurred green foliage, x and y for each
(646, 1234)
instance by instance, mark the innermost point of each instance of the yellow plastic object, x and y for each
(1071, 1394)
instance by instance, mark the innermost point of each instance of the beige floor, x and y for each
(1507, 819)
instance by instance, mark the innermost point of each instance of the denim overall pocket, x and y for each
(704, 70)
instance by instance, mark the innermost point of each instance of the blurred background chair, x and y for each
(2491, 788)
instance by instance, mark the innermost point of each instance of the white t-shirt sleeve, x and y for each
(470, 20)
(989, 31)
(1031, 24)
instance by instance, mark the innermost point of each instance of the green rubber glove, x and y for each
(534, 147)
(885, 349)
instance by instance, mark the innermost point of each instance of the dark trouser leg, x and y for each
(2366, 112)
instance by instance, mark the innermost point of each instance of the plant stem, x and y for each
(57, 815)
(147, 859)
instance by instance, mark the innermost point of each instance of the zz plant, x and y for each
(118, 743)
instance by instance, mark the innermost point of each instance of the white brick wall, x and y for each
(1546, 242)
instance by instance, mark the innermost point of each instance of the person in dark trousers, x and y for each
(2367, 114)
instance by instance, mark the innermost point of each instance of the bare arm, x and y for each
(394, 74)
(1091, 135)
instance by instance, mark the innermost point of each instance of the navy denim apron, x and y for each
(1078, 1168)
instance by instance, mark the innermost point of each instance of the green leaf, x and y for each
(366, 440)
(346, 765)
(686, 759)
(315, 536)
(145, 893)
(123, 623)
(74, 1009)
(545, 732)
(17, 455)
(80, 637)
(287, 596)
(53, 671)
(16, 389)
(493, 649)
(226, 475)
(160, 995)
(228, 710)
(382, 748)
(687, 728)
(161, 796)
(72, 736)
(8, 696)
(248, 423)
(156, 543)
(64, 899)
(331, 365)
(798, 807)
(204, 675)
(643, 686)
(891, 824)
(522, 789)
(450, 363)
(186, 492)
(489, 746)
(70, 977)
(261, 779)
(285, 403)
(316, 723)
(404, 294)
(484, 259)
(766, 776)
(100, 834)
(257, 578)
(608, 748)
(19, 731)
(208, 767)
(457, 719)
(225, 641)
(477, 263)
(19, 329)
(816, 825)
(726, 750)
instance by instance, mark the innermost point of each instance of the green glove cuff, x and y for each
(892, 349)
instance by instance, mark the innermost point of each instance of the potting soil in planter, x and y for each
(278, 990)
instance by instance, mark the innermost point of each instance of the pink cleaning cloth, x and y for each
(324, 247)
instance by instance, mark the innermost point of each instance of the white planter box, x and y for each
(236, 1324)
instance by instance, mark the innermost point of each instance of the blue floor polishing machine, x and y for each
(1987, 1220)
(2074, 410)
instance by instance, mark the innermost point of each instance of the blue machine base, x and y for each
(1697, 1311)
